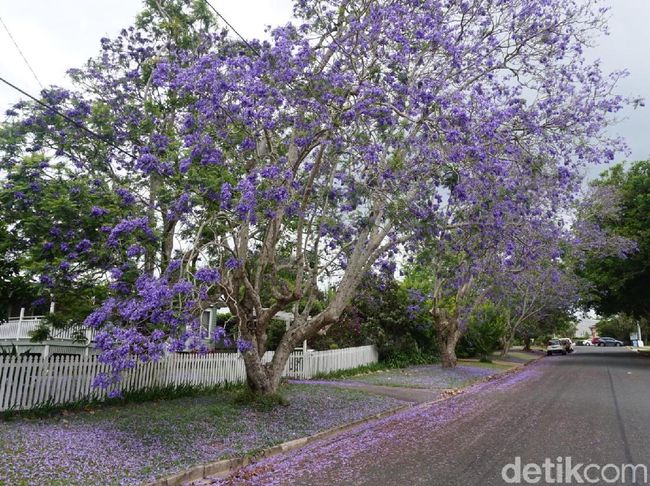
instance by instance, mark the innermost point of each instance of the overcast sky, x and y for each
(57, 35)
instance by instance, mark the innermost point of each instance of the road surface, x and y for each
(593, 406)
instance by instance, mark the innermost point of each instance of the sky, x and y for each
(55, 36)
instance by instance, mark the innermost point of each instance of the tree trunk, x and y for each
(448, 352)
(507, 344)
(526, 342)
(264, 379)
(258, 376)
(448, 334)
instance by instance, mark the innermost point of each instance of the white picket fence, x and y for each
(17, 328)
(26, 382)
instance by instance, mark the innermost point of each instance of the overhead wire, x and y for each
(29, 66)
(248, 44)
(69, 119)
(80, 125)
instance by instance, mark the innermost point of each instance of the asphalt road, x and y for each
(593, 406)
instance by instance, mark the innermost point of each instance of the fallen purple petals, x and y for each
(341, 460)
(135, 443)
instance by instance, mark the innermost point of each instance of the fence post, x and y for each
(20, 323)
(306, 364)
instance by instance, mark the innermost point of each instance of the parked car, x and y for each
(555, 346)
(608, 341)
(587, 342)
(568, 344)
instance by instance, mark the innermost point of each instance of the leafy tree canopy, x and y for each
(621, 284)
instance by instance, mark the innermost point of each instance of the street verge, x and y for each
(224, 467)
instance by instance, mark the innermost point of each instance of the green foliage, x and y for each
(221, 319)
(259, 401)
(53, 175)
(558, 324)
(64, 198)
(485, 329)
(621, 284)
(361, 370)
(402, 359)
(274, 332)
(621, 325)
(392, 317)
(16, 290)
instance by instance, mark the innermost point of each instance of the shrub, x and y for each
(485, 329)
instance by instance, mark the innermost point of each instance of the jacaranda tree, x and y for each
(284, 165)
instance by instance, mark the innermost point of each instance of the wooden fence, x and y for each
(28, 381)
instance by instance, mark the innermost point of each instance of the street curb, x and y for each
(535, 360)
(221, 468)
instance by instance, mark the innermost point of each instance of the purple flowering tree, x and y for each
(113, 214)
(342, 137)
(271, 169)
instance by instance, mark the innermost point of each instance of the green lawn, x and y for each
(494, 365)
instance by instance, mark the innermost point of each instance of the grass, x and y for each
(50, 409)
(518, 356)
(522, 355)
(390, 364)
(361, 370)
(139, 442)
(644, 351)
(431, 377)
(492, 365)
(264, 403)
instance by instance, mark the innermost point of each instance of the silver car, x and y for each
(554, 346)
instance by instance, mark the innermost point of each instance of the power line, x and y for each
(258, 53)
(21, 53)
(80, 125)
(68, 119)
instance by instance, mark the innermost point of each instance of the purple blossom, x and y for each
(127, 197)
(96, 211)
(173, 266)
(232, 263)
(218, 334)
(148, 163)
(208, 275)
(225, 196)
(83, 246)
(134, 251)
(116, 273)
(183, 287)
(128, 226)
(243, 345)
